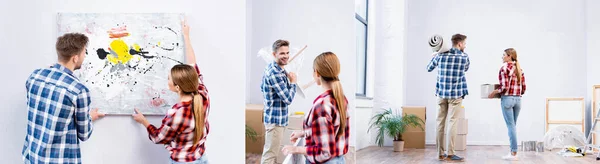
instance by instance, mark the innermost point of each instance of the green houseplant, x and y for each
(391, 124)
(251, 133)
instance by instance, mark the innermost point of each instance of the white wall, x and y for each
(386, 66)
(218, 35)
(249, 53)
(549, 37)
(593, 42)
(364, 106)
(387, 26)
(322, 25)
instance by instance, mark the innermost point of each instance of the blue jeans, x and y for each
(511, 106)
(334, 160)
(201, 160)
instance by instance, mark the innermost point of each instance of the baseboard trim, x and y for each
(478, 143)
(470, 143)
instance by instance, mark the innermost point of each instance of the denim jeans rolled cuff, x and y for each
(511, 107)
(335, 160)
(201, 160)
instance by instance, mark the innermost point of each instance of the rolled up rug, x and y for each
(437, 44)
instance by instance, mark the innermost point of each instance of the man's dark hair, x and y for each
(69, 45)
(457, 38)
(280, 43)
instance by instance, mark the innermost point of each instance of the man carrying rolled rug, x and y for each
(451, 88)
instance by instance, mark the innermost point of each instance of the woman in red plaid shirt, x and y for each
(326, 126)
(183, 130)
(512, 82)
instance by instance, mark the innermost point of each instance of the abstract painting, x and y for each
(128, 58)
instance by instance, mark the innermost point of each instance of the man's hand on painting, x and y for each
(95, 114)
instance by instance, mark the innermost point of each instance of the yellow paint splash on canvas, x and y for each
(120, 47)
(136, 47)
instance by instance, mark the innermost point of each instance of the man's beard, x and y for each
(280, 62)
(78, 66)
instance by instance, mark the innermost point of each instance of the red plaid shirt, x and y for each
(177, 129)
(508, 81)
(321, 126)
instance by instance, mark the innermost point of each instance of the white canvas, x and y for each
(129, 57)
(571, 110)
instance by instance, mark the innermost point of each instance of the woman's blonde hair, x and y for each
(327, 65)
(186, 77)
(512, 53)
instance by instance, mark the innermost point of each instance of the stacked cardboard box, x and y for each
(294, 124)
(414, 137)
(254, 119)
(460, 142)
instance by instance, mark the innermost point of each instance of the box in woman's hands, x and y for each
(486, 89)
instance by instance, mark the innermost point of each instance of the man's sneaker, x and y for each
(510, 157)
(455, 158)
(442, 157)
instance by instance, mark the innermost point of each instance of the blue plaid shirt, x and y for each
(58, 114)
(278, 93)
(451, 80)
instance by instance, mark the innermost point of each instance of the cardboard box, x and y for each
(419, 111)
(254, 119)
(295, 122)
(462, 126)
(460, 142)
(460, 112)
(414, 139)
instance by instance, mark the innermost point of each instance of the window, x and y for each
(360, 14)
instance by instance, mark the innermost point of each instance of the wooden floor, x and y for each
(473, 154)
(255, 158)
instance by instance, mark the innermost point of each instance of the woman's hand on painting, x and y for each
(295, 135)
(190, 56)
(95, 114)
(139, 117)
(185, 28)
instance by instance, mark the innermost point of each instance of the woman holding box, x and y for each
(512, 87)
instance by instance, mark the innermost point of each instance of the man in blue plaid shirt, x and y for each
(451, 88)
(278, 88)
(58, 107)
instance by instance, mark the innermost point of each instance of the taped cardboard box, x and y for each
(460, 142)
(295, 122)
(462, 126)
(420, 112)
(414, 139)
(254, 119)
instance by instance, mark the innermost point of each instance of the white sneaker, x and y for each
(510, 157)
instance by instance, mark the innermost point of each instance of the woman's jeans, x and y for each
(335, 160)
(201, 160)
(511, 106)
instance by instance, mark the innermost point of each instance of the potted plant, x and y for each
(251, 133)
(392, 124)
